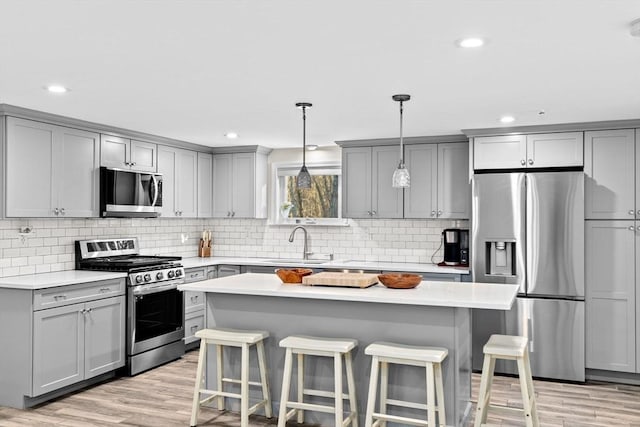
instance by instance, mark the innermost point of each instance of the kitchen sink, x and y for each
(296, 261)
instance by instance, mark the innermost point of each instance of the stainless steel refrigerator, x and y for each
(528, 229)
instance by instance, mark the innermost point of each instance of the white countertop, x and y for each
(340, 264)
(59, 278)
(443, 294)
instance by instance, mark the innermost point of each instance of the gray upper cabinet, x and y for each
(205, 185)
(240, 183)
(561, 149)
(366, 183)
(179, 169)
(439, 181)
(124, 153)
(610, 169)
(51, 171)
(610, 295)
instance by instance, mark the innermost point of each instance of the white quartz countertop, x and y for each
(428, 293)
(339, 264)
(58, 278)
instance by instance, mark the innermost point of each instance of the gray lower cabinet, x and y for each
(610, 287)
(77, 342)
(194, 304)
(60, 338)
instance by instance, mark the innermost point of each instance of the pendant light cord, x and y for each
(401, 140)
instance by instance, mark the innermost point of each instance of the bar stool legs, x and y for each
(510, 348)
(314, 346)
(235, 338)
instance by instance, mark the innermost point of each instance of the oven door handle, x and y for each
(146, 289)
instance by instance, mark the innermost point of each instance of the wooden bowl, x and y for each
(400, 280)
(293, 275)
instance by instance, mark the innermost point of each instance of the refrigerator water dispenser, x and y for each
(500, 256)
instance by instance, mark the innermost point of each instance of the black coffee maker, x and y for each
(456, 246)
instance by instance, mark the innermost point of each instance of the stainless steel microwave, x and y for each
(129, 194)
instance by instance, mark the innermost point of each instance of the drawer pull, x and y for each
(57, 297)
(194, 298)
(105, 289)
(194, 327)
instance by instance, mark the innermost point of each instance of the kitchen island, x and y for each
(433, 314)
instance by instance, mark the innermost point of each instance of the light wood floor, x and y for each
(162, 397)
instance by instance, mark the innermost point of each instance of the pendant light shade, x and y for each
(401, 178)
(304, 178)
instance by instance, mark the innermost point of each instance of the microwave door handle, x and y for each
(155, 190)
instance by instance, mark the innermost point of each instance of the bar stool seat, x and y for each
(430, 358)
(338, 349)
(243, 339)
(507, 347)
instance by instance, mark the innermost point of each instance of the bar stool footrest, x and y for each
(323, 393)
(405, 404)
(311, 407)
(400, 420)
(235, 381)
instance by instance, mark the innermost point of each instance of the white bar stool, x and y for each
(315, 346)
(511, 348)
(233, 338)
(428, 357)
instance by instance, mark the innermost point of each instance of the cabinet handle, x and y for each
(638, 228)
(631, 212)
(105, 289)
(57, 297)
(228, 213)
(56, 211)
(369, 213)
(233, 213)
(439, 213)
(133, 163)
(194, 327)
(433, 213)
(522, 162)
(632, 228)
(530, 161)
(62, 212)
(194, 299)
(638, 212)
(85, 310)
(374, 213)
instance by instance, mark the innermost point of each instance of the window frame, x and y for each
(277, 193)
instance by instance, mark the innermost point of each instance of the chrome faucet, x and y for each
(305, 254)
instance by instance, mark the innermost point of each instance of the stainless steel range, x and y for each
(155, 318)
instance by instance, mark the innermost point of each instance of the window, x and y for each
(321, 204)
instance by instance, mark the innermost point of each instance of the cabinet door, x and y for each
(243, 183)
(356, 182)
(555, 149)
(386, 201)
(30, 188)
(186, 190)
(609, 167)
(58, 348)
(114, 152)
(454, 188)
(76, 173)
(167, 160)
(420, 199)
(499, 152)
(104, 336)
(143, 156)
(205, 185)
(610, 295)
(222, 185)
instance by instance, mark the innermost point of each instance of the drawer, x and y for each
(195, 275)
(193, 301)
(191, 326)
(72, 294)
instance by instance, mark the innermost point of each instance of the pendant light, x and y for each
(401, 177)
(304, 178)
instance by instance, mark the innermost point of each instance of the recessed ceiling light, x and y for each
(507, 119)
(312, 147)
(470, 42)
(231, 135)
(57, 89)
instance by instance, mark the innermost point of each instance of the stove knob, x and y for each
(170, 274)
(160, 276)
(139, 278)
(178, 273)
(147, 277)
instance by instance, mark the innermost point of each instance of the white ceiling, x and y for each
(194, 70)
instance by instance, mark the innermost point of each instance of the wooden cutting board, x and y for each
(352, 280)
